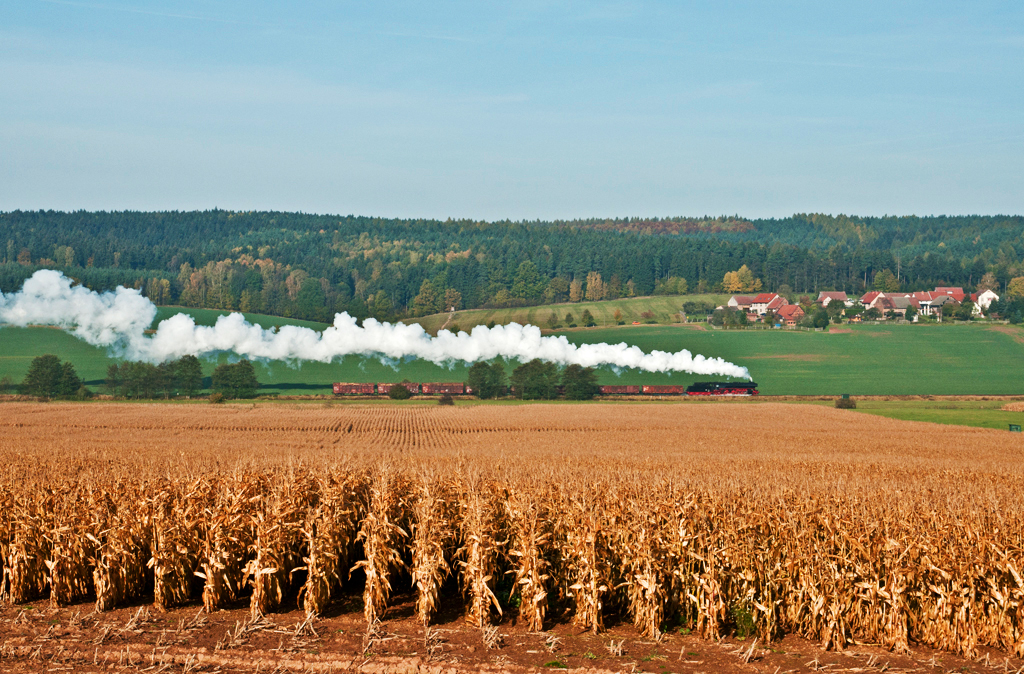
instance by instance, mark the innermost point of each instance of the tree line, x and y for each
(311, 267)
(534, 380)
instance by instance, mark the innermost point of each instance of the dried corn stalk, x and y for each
(279, 516)
(479, 555)
(530, 548)
(330, 532)
(228, 536)
(24, 565)
(177, 545)
(73, 547)
(382, 534)
(433, 536)
(123, 521)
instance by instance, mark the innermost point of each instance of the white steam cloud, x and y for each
(119, 320)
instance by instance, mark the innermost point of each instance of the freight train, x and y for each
(704, 388)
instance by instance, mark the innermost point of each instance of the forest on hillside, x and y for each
(312, 266)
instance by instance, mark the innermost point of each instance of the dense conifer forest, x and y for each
(311, 266)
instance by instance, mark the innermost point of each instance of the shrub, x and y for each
(399, 392)
(580, 382)
(446, 399)
(846, 404)
(216, 398)
(236, 381)
(487, 381)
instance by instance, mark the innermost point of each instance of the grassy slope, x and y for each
(867, 360)
(665, 307)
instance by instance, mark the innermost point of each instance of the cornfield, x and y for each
(765, 519)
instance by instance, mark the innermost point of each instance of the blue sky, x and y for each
(515, 110)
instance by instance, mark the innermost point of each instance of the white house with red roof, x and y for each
(826, 296)
(983, 300)
(740, 302)
(872, 299)
(766, 302)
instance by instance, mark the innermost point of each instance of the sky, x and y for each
(518, 109)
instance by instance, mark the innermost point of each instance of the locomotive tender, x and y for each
(705, 388)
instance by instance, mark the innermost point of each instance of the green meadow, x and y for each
(973, 359)
(665, 309)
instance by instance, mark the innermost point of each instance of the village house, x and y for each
(957, 294)
(740, 302)
(983, 300)
(872, 300)
(766, 302)
(826, 296)
(789, 315)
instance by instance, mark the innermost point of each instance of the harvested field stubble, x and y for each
(836, 526)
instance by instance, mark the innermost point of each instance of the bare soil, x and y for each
(38, 638)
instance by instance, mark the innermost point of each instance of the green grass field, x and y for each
(862, 360)
(981, 413)
(665, 308)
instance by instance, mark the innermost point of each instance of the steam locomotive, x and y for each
(706, 388)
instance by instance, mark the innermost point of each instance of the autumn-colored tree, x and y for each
(452, 300)
(595, 287)
(885, 281)
(1015, 288)
(426, 301)
(741, 281)
(575, 290)
(988, 282)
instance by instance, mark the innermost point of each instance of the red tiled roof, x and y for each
(763, 298)
(777, 302)
(790, 311)
(956, 293)
(832, 295)
(869, 297)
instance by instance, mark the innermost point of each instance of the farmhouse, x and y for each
(789, 315)
(740, 302)
(871, 300)
(957, 294)
(826, 296)
(766, 302)
(983, 299)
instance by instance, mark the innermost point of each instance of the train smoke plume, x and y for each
(118, 320)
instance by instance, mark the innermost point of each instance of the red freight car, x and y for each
(436, 389)
(384, 389)
(620, 390)
(670, 390)
(353, 389)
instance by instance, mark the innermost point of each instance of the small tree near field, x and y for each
(535, 380)
(399, 392)
(487, 380)
(48, 377)
(235, 381)
(579, 383)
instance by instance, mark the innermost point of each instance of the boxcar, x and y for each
(620, 390)
(440, 388)
(384, 389)
(666, 390)
(353, 389)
